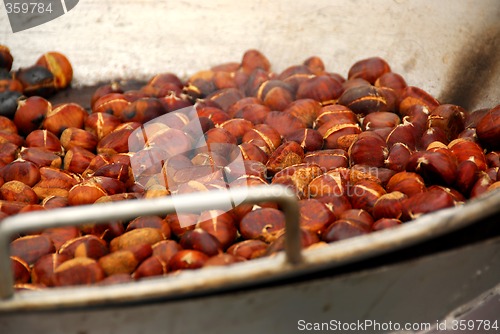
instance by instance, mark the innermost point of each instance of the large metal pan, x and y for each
(217, 280)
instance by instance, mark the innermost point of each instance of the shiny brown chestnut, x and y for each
(31, 113)
(307, 110)
(368, 149)
(315, 215)
(369, 69)
(426, 202)
(321, 88)
(363, 100)
(16, 191)
(309, 139)
(31, 247)
(253, 59)
(488, 129)
(284, 123)
(85, 246)
(248, 249)
(187, 259)
(46, 140)
(202, 241)
(408, 183)
(412, 95)
(264, 224)
(125, 261)
(275, 94)
(435, 167)
(64, 116)
(343, 229)
(78, 271)
(59, 65)
(219, 224)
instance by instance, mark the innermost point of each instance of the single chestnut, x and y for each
(343, 229)
(17, 191)
(289, 153)
(307, 110)
(363, 100)
(389, 205)
(59, 66)
(315, 215)
(21, 170)
(144, 235)
(219, 224)
(41, 157)
(426, 202)
(253, 59)
(31, 113)
(77, 159)
(248, 249)
(265, 224)
(385, 223)
(339, 136)
(64, 116)
(368, 149)
(408, 183)
(31, 247)
(125, 261)
(435, 167)
(331, 183)
(328, 159)
(46, 140)
(78, 271)
(200, 240)
(101, 124)
(321, 88)
(152, 222)
(85, 246)
(364, 194)
(275, 94)
(369, 69)
(450, 118)
(412, 95)
(72, 137)
(187, 259)
(488, 130)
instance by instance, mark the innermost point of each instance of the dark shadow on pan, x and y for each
(477, 64)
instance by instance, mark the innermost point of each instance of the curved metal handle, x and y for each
(105, 212)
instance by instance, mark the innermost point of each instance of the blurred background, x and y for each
(448, 47)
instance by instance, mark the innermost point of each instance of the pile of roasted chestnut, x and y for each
(363, 153)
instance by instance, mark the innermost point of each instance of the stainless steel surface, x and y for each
(482, 314)
(106, 212)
